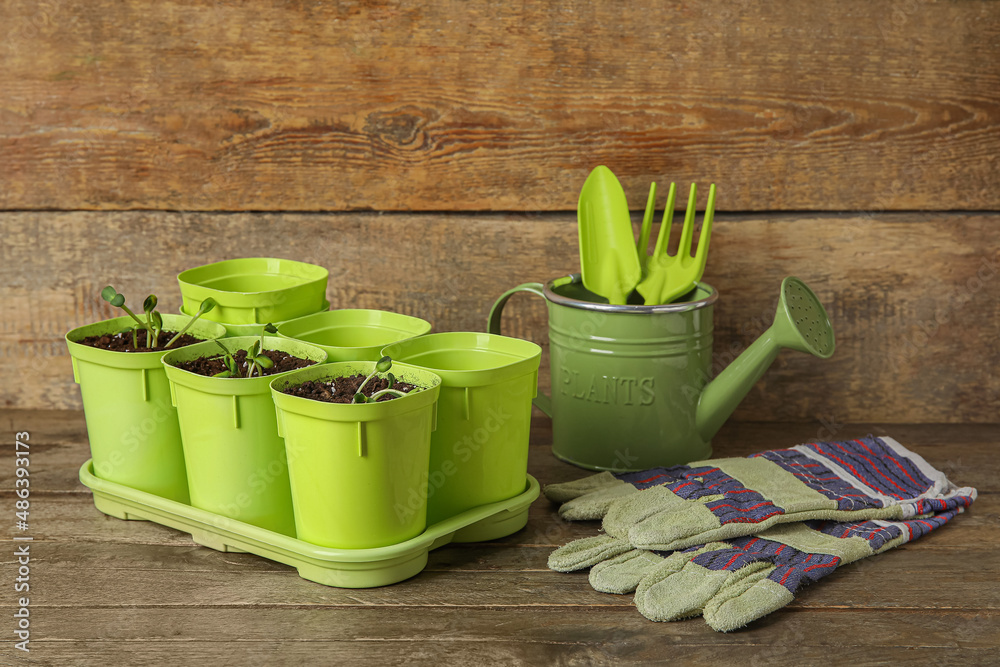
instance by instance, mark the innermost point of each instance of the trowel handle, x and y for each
(541, 401)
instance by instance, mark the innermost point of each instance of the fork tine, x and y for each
(663, 237)
(706, 229)
(647, 224)
(687, 232)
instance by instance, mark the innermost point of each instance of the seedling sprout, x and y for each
(154, 321)
(256, 360)
(382, 366)
(206, 305)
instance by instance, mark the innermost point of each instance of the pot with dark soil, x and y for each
(132, 425)
(235, 458)
(357, 437)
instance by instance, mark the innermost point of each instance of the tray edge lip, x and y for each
(434, 536)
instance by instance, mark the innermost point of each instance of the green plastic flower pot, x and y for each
(131, 423)
(233, 330)
(235, 458)
(358, 471)
(354, 334)
(255, 289)
(479, 452)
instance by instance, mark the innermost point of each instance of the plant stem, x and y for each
(374, 372)
(132, 315)
(374, 397)
(149, 332)
(182, 331)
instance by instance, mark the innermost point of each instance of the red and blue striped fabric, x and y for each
(793, 567)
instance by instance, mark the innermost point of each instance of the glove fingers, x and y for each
(746, 600)
(659, 520)
(666, 594)
(623, 573)
(594, 505)
(565, 491)
(586, 552)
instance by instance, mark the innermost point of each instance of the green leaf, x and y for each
(270, 328)
(118, 301)
(149, 304)
(360, 398)
(254, 349)
(223, 374)
(391, 379)
(109, 293)
(207, 305)
(384, 364)
(231, 365)
(263, 361)
(157, 320)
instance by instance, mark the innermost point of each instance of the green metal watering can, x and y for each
(631, 384)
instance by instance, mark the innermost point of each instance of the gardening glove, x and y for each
(737, 581)
(682, 506)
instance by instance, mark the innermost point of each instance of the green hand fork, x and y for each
(669, 277)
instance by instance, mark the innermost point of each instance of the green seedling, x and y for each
(149, 307)
(154, 321)
(382, 366)
(256, 362)
(232, 370)
(117, 300)
(268, 329)
(206, 305)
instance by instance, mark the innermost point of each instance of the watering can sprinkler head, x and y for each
(800, 323)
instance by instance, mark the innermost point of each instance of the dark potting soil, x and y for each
(342, 390)
(212, 364)
(122, 342)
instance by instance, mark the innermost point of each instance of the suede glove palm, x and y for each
(734, 582)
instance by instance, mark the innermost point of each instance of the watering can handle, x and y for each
(541, 401)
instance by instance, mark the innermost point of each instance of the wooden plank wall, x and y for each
(430, 154)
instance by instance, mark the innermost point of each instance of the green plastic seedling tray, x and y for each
(344, 568)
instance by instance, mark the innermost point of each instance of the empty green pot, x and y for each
(233, 330)
(354, 334)
(358, 471)
(479, 452)
(235, 458)
(131, 423)
(255, 289)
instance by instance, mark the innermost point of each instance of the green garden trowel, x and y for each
(608, 258)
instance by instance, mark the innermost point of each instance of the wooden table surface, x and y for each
(110, 592)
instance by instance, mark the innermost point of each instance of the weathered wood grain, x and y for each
(177, 584)
(914, 298)
(208, 105)
(507, 651)
(966, 453)
(614, 629)
(75, 514)
(106, 591)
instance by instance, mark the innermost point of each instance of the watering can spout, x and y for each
(800, 323)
